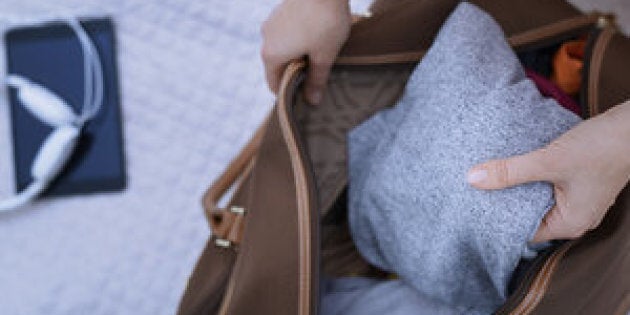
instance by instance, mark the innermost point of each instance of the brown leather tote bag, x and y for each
(285, 224)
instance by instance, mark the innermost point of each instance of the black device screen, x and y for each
(51, 55)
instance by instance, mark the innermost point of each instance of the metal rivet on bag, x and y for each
(222, 243)
(602, 22)
(237, 210)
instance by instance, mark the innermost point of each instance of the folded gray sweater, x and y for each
(365, 296)
(411, 210)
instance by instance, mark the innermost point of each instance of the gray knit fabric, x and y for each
(365, 296)
(411, 210)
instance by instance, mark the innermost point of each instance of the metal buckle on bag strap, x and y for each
(227, 226)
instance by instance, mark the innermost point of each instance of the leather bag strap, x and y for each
(226, 224)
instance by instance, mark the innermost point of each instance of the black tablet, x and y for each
(51, 55)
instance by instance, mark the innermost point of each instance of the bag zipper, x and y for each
(534, 285)
(546, 33)
(308, 266)
(594, 65)
(551, 32)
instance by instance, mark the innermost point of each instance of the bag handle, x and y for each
(226, 224)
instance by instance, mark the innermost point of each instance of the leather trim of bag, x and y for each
(539, 285)
(238, 168)
(595, 68)
(204, 295)
(518, 41)
(387, 30)
(306, 305)
(265, 274)
(307, 221)
(571, 25)
(399, 57)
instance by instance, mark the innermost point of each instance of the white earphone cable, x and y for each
(93, 72)
(31, 192)
(63, 140)
(87, 64)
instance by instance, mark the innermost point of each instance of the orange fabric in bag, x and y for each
(567, 66)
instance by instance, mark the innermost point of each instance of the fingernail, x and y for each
(477, 176)
(316, 97)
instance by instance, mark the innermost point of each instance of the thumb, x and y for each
(545, 229)
(503, 173)
(556, 225)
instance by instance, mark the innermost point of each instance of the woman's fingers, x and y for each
(298, 29)
(273, 72)
(588, 166)
(275, 53)
(546, 229)
(503, 173)
(558, 224)
(318, 71)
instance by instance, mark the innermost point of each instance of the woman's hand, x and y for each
(313, 28)
(588, 166)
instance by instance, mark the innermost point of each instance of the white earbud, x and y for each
(54, 153)
(51, 109)
(49, 162)
(42, 103)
